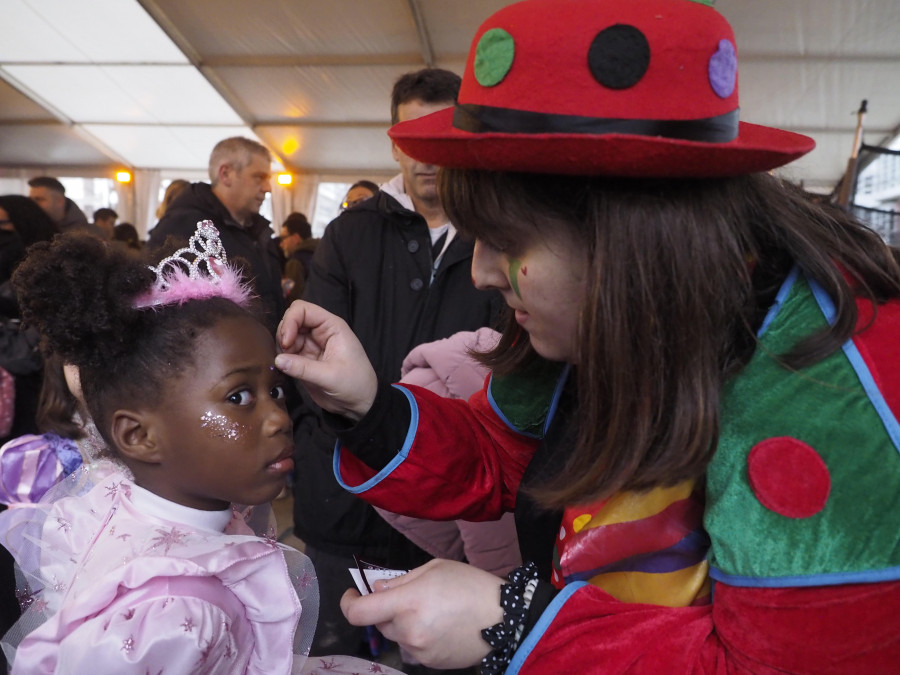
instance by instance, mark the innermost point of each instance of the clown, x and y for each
(694, 349)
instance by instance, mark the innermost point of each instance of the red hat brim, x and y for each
(434, 140)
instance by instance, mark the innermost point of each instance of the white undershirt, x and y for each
(154, 505)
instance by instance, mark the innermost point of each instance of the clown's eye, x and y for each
(497, 244)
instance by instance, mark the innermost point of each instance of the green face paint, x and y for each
(514, 266)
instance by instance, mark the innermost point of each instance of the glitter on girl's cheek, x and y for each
(514, 267)
(221, 427)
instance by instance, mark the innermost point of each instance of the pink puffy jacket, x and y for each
(446, 368)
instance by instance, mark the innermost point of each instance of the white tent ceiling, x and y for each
(155, 83)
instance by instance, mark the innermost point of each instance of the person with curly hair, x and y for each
(145, 560)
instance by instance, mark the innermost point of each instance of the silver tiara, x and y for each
(206, 249)
(181, 277)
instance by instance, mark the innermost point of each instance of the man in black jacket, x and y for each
(50, 194)
(240, 177)
(394, 268)
(298, 246)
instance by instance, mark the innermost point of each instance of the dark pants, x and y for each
(334, 635)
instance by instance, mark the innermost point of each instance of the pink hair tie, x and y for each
(179, 277)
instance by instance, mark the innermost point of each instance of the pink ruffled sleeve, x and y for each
(153, 629)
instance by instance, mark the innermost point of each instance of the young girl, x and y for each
(678, 316)
(145, 563)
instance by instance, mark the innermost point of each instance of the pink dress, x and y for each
(123, 581)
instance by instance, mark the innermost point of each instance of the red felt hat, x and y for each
(643, 88)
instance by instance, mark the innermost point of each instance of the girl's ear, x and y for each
(134, 435)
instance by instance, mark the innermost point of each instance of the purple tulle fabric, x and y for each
(32, 464)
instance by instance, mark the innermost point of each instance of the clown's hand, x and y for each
(436, 612)
(320, 350)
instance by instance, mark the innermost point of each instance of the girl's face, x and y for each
(543, 280)
(224, 432)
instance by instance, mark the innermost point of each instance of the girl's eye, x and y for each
(242, 397)
(277, 391)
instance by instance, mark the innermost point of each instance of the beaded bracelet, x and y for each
(515, 597)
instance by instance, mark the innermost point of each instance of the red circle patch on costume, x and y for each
(788, 477)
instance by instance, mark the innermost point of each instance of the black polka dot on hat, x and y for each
(619, 56)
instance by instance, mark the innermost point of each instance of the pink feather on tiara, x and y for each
(179, 277)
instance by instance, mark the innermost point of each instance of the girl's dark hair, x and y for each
(681, 274)
(78, 291)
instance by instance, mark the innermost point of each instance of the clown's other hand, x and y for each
(321, 351)
(436, 612)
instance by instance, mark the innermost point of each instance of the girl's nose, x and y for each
(277, 420)
(487, 268)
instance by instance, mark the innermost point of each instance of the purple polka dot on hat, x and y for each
(723, 69)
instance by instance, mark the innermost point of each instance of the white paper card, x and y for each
(372, 575)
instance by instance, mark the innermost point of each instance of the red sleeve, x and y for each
(460, 460)
(822, 630)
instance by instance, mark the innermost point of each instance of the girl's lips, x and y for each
(521, 316)
(282, 465)
(284, 462)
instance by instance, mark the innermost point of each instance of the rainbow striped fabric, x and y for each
(640, 547)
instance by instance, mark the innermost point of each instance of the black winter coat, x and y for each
(255, 245)
(372, 268)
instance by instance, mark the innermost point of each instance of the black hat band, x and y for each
(479, 119)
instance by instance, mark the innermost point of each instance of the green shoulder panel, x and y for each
(525, 399)
(811, 446)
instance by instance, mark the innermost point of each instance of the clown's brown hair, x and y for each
(682, 273)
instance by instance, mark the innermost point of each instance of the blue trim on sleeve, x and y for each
(859, 365)
(828, 579)
(557, 394)
(779, 300)
(531, 640)
(394, 463)
(499, 413)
